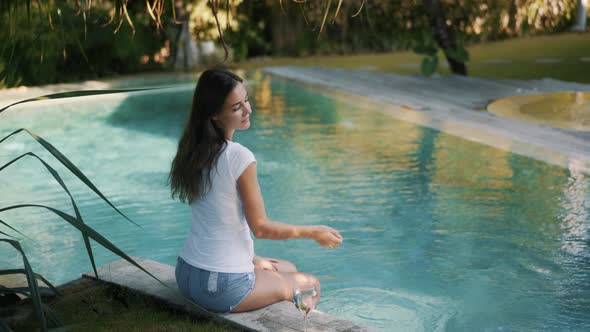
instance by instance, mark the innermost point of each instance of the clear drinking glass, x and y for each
(305, 297)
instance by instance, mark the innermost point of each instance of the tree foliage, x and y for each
(41, 46)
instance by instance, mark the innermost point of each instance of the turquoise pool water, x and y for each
(440, 233)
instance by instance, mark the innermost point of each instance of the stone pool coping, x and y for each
(280, 316)
(454, 105)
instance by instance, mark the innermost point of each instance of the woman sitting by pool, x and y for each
(217, 267)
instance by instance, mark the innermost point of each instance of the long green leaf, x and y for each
(32, 282)
(429, 65)
(14, 229)
(63, 185)
(79, 93)
(69, 165)
(38, 276)
(1, 232)
(52, 318)
(91, 233)
(459, 54)
(43, 291)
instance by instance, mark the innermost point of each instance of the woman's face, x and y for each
(236, 111)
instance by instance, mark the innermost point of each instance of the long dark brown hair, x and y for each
(203, 139)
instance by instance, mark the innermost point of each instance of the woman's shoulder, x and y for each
(235, 148)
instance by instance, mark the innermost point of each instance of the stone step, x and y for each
(282, 316)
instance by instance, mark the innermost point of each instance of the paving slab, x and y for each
(282, 316)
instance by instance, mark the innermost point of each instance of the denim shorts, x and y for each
(215, 291)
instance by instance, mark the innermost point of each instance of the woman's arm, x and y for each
(262, 227)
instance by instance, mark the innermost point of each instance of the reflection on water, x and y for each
(440, 233)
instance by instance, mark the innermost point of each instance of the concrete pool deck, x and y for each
(455, 105)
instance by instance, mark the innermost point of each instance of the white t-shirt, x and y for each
(219, 238)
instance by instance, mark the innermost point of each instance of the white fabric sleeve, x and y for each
(239, 159)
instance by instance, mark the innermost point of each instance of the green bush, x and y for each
(61, 46)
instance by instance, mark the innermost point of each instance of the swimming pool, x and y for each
(440, 233)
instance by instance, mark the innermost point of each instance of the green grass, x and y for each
(523, 52)
(91, 306)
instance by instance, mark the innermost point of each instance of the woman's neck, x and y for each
(229, 135)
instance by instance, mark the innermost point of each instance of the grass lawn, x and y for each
(87, 305)
(522, 52)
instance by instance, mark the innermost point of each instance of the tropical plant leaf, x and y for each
(79, 93)
(63, 185)
(32, 282)
(38, 276)
(14, 229)
(429, 65)
(459, 55)
(52, 318)
(88, 230)
(429, 50)
(43, 291)
(1, 232)
(69, 165)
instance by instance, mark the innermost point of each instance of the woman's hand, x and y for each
(265, 264)
(327, 237)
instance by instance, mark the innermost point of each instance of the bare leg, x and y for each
(272, 287)
(281, 265)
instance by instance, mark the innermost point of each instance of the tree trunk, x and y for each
(512, 11)
(581, 16)
(443, 34)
